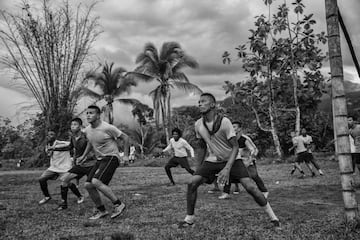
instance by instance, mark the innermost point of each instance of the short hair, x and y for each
(238, 123)
(78, 120)
(351, 116)
(176, 130)
(209, 95)
(98, 111)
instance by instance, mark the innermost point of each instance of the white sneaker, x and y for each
(321, 172)
(80, 200)
(236, 192)
(98, 214)
(118, 210)
(224, 196)
(44, 200)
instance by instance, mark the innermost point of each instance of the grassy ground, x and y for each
(309, 208)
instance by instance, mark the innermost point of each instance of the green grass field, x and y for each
(309, 208)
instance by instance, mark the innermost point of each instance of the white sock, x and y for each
(189, 218)
(270, 212)
(266, 194)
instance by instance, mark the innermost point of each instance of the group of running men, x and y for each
(225, 155)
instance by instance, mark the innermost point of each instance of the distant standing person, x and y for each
(102, 139)
(219, 149)
(60, 163)
(132, 154)
(247, 154)
(354, 130)
(180, 147)
(77, 146)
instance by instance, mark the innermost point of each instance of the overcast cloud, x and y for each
(204, 28)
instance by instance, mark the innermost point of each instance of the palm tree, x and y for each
(165, 66)
(111, 83)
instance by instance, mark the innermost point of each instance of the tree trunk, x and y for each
(168, 96)
(341, 131)
(274, 134)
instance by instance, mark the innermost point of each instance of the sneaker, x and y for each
(118, 210)
(214, 190)
(321, 172)
(80, 200)
(236, 192)
(44, 200)
(292, 171)
(62, 207)
(224, 196)
(184, 224)
(98, 214)
(276, 223)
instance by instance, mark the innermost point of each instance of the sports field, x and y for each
(309, 208)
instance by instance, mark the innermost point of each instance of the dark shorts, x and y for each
(304, 157)
(104, 169)
(175, 161)
(209, 170)
(80, 171)
(355, 158)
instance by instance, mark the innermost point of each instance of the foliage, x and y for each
(283, 60)
(47, 50)
(111, 83)
(165, 66)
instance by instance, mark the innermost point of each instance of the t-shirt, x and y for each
(180, 146)
(355, 135)
(218, 145)
(60, 162)
(247, 149)
(300, 142)
(103, 139)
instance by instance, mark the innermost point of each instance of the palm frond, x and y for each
(167, 49)
(90, 93)
(139, 76)
(186, 61)
(187, 87)
(179, 77)
(131, 101)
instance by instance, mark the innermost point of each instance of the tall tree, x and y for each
(280, 52)
(47, 49)
(108, 85)
(165, 66)
(341, 131)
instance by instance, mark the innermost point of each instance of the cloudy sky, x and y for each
(204, 28)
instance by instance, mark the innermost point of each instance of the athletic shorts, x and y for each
(355, 158)
(80, 171)
(104, 169)
(304, 157)
(175, 161)
(209, 170)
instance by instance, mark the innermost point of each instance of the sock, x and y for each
(117, 202)
(101, 208)
(75, 190)
(44, 188)
(266, 194)
(270, 212)
(189, 218)
(64, 191)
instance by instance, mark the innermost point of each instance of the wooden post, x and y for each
(341, 131)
